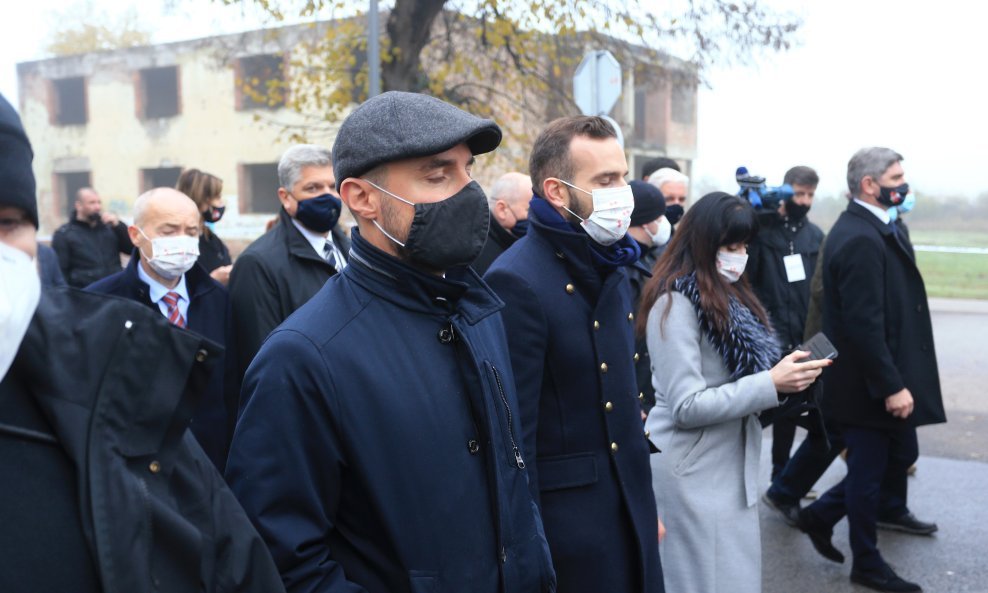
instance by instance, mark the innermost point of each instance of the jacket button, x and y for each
(445, 335)
(201, 355)
(570, 289)
(596, 325)
(636, 357)
(609, 407)
(128, 324)
(647, 434)
(560, 255)
(614, 447)
(641, 396)
(473, 446)
(154, 467)
(631, 316)
(603, 367)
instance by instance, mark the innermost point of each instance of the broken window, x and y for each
(684, 103)
(69, 101)
(67, 185)
(159, 177)
(260, 82)
(158, 95)
(259, 187)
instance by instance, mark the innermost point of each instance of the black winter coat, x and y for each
(876, 313)
(498, 240)
(274, 276)
(209, 316)
(638, 275)
(104, 489)
(89, 253)
(571, 336)
(787, 302)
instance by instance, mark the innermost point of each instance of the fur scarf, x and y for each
(748, 347)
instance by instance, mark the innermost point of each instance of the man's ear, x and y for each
(134, 234)
(359, 197)
(555, 192)
(287, 201)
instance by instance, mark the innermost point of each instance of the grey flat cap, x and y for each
(394, 126)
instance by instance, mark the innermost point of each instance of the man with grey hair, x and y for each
(508, 203)
(163, 275)
(886, 382)
(281, 271)
(675, 189)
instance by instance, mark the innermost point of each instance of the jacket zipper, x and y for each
(519, 462)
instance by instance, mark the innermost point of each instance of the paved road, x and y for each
(950, 486)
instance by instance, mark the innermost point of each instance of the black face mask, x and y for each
(448, 233)
(319, 214)
(893, 196)
(520, 228)
(796, 212)
(215, 214)
(674, 213)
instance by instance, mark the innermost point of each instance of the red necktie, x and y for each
(174, 315)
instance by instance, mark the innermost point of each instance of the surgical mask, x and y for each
(907, 204)
(893, 196)
(447, 233)
(20, 291)
(172, 256)
(319, 214)
(731, 265)
(611, 215)
(661, 236)
(674, 212)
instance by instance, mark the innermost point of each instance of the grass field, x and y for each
(950, 238)
(954, 275)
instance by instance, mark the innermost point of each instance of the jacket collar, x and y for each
(885, 230)
(503, 237)
(296, 242)
(197, 282)
(461, 291)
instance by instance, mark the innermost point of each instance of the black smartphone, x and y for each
(819, 348)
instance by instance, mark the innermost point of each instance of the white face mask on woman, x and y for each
(611, 215)
(20, 291)
(731, 265)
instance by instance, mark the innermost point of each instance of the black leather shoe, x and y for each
(908, 523)
(789, 512)
(884, 580)
(820, 538)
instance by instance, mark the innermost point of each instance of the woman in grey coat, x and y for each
(712, 352)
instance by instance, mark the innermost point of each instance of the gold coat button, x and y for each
(154, 467)
(647, 434)
(603, 367)
(570, 289)
(641, 396)
(631, 316)
(614, 447)
(636, 357)
(596, 325)
(609, 407)
(201, 355)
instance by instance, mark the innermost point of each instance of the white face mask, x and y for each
(172, 256)
(611, 214)
(661, 236)
(20, 291)
(731, 265)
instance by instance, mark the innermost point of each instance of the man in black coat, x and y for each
(279, 272)
(154, 278)
(570, 323)
(781, 262)
(89, 245)
(104, 489)
(886, 382)
(508, 203)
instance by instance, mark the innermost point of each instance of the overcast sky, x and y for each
(908, 75)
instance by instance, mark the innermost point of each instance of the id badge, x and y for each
(794, 267)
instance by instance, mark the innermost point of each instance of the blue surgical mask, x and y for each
(907, 203)
(319, 214)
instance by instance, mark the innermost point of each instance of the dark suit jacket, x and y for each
(876, 314)
(498, 240)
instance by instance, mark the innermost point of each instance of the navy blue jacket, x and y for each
(208, 316)
(378, 447)
(571, 330)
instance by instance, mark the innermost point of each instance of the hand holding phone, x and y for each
(819, 348)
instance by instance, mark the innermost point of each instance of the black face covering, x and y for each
(674, 212)
(796, 212)
(893, 196)
(448, 233)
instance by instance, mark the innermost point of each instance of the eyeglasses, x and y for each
(9, 224)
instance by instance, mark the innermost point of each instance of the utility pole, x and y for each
(373, 51)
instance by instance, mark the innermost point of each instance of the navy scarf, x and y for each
(621, 253)
(748, 347)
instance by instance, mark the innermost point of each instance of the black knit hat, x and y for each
(649, 203)
(17, 186)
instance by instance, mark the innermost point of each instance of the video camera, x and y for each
(760, 196)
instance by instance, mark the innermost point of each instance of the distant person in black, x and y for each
(781, 262)
(207, 192)
(89, 245)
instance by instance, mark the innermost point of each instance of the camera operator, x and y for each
(782, 259)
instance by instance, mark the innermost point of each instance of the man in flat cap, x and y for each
(379, 447)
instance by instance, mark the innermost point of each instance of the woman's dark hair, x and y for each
(716, 220)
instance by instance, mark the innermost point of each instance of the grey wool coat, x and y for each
(705, 478)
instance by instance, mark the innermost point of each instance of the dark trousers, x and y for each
(808, 463)
(876, 459)
(783, 434)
